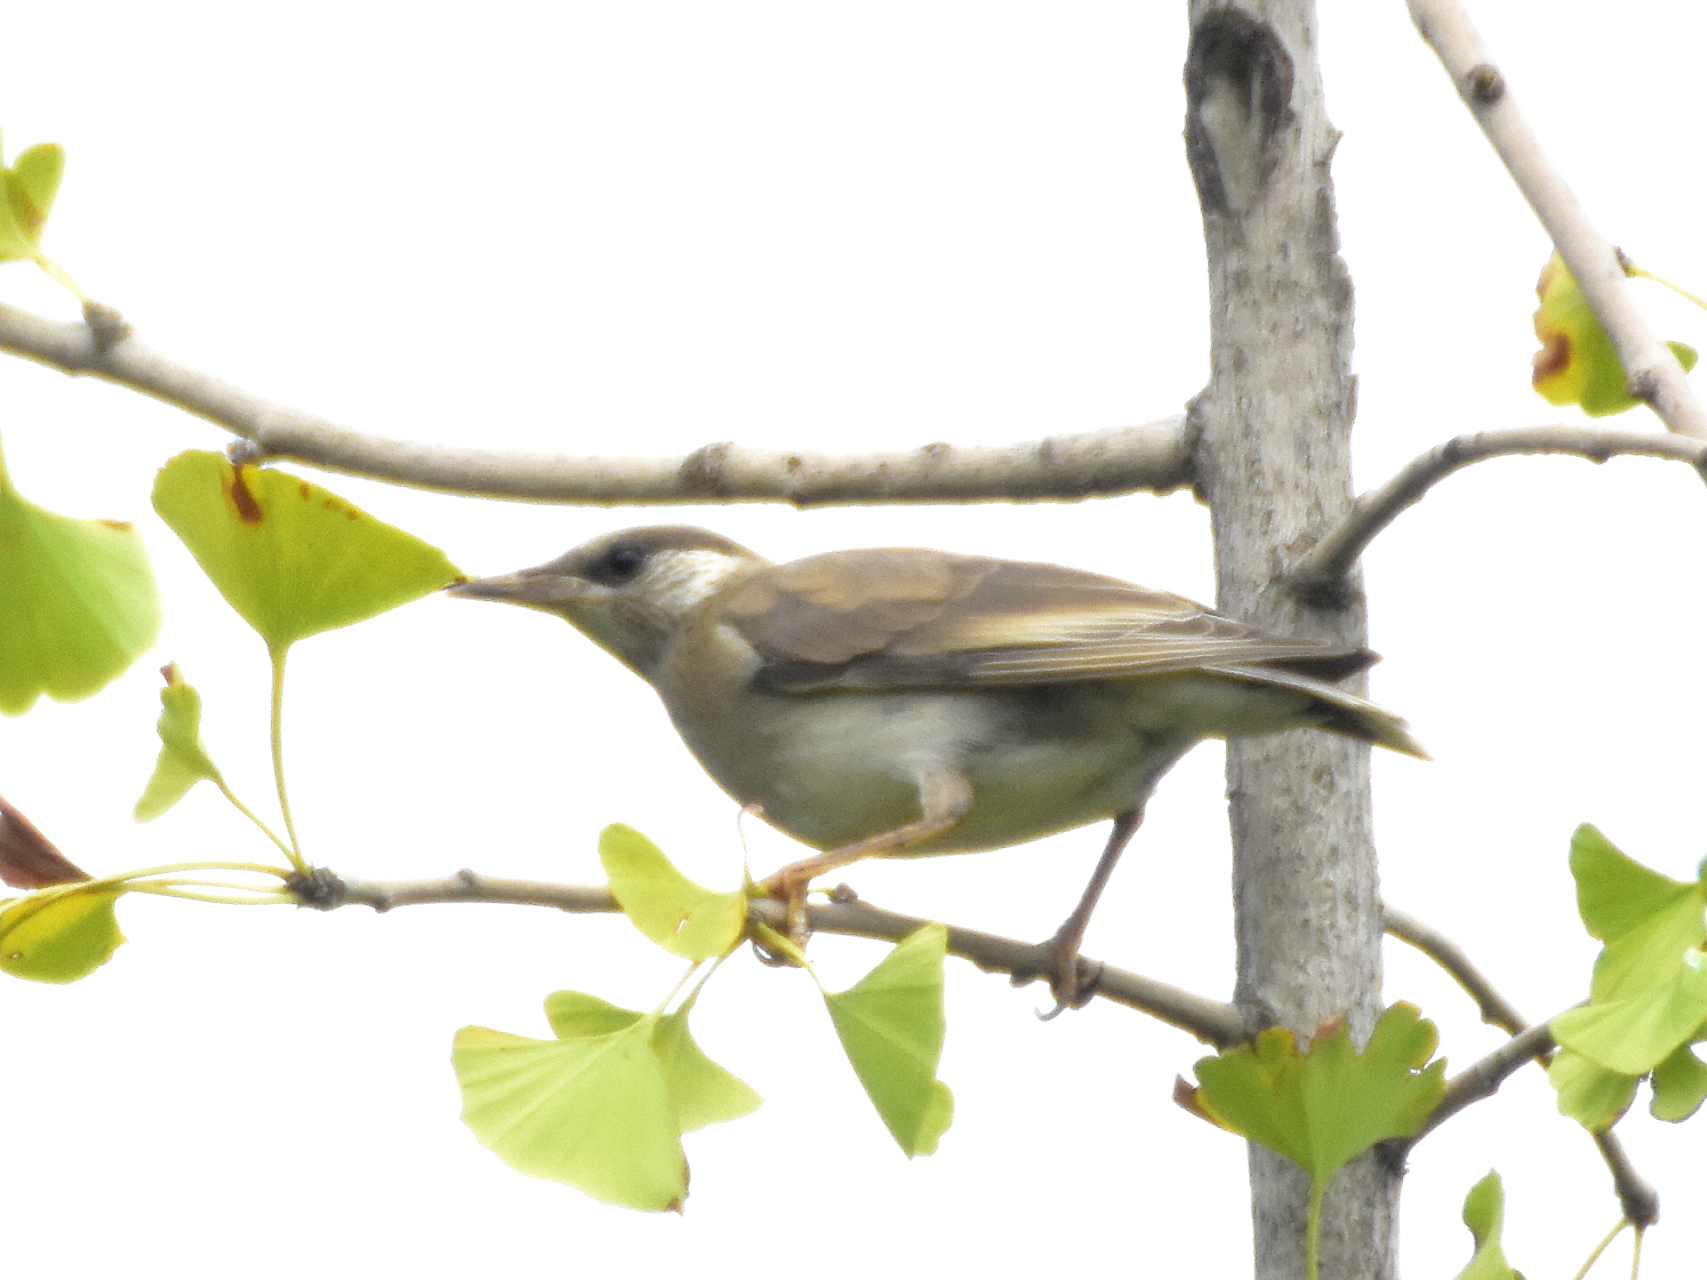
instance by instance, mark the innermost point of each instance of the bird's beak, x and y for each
(539, 588)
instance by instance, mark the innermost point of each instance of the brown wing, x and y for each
(910, 619)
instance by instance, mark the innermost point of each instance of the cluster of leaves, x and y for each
(604, 1106)
(1648, 995)
(78, 605)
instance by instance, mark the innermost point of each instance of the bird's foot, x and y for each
(1072, 979)
(789, 886)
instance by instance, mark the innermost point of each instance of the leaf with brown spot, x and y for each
(1577, 363)
(293, 559)
(28, 859)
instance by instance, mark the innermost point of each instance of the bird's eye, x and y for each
(618, 565)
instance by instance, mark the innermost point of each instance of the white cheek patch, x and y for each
(678, 580)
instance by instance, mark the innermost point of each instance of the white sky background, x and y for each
(641, 227)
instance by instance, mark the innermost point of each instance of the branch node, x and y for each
(702, 470)
(1486, 84)
(107, 328)
(320, 888)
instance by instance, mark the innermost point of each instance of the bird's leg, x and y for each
(1064, 982)
(944, 798)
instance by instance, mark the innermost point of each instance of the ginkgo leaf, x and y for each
(892, 1027)
(1484, 1214)
(593, 1111)
(682, 917)
(1648, 921)
(183, 760)
(1590, 1094)
(77, 602)
(1577, 363)
(1324, 1105)
(1680, 1086)
(59, 935)
(1635, 1034)
(291, 557)
(30, 185)
(702, 1092)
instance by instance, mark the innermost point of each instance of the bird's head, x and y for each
(630, 591)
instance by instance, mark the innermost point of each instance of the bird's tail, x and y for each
(1335, 709)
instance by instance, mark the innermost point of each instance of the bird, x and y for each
(905, 701)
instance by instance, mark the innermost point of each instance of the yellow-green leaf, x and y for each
(59, 935)
(77, 602)
(183, 760)
(892, 1026)
(1577, 363)
(1324, 1105)
(1484, 1214)
(1590, 1094)
(684, 918)
(593, 1112)
(1680, 1086)
(30, 186)
(702, 1092)
(292, 558)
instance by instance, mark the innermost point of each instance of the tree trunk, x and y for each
(1274, 465)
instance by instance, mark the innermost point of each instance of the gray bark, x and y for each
(1274, 465)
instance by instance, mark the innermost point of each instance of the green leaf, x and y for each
(1590, 1094)
(575, 1015)
(1322, 1107)
(30, 187)
(593, 1112)
(1577, 363)
(1648, 921)
(291, 557)
(1484, 1214)
(1634, 1035)
(59, 935)
(183, 760)
(684, 918)
(604, 1106)
(1680, 1086)
(703, 1092)
(892, 1026)
(77, 602)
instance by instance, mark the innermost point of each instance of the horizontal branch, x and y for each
(1061, 468)
(1323, 573)
(1653, 373)
(1209, 1020)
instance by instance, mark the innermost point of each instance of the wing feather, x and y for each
(898, 619)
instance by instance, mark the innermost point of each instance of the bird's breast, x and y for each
(833, 767)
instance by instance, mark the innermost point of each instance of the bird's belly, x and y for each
(833, 768)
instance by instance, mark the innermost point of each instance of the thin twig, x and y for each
(1209, 1020)
(1324, 573)
(1653, 372)
(1059, 468)
(1637, 1197)
(1482, 1079)
(1496, 1009)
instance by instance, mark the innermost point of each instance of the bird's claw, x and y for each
(1072, 979)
